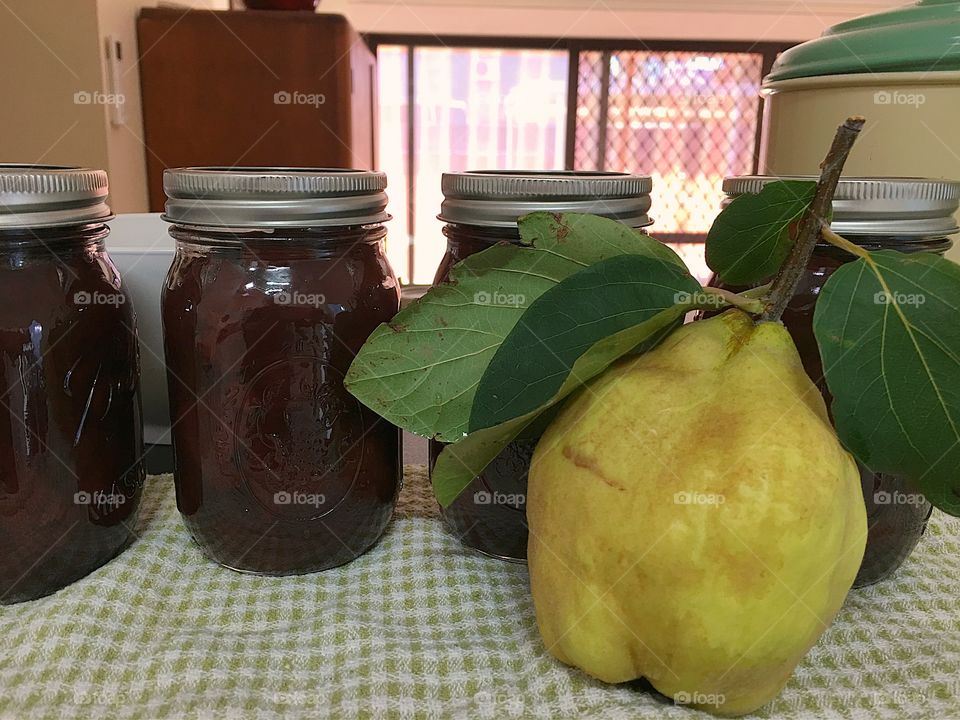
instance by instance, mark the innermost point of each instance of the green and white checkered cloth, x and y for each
(417, 628)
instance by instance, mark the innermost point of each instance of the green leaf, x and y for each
(751, 237)
(595, 238)
(459, 463)
(888, 328)
(563, 323)
(421, 370)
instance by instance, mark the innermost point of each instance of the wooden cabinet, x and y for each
(244, 88)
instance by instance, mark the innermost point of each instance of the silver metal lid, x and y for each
(497, 198)
(33, 196)
(880, 206)
(262, 197)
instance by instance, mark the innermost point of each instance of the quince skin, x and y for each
(694, 519)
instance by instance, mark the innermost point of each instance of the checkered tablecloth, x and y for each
(417, 628)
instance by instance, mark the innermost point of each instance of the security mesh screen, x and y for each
(589, 143)
(686, 118)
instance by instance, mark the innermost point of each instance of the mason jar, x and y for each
(71, 456)
(481, 209)
(903, 214)
(279, 277)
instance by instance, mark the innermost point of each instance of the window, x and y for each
(473, 109)
(686, 114)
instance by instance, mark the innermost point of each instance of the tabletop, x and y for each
(419, 627)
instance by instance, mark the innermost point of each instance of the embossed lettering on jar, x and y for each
(71, 444)
(481, 209)
(903, 214)
(279, 277)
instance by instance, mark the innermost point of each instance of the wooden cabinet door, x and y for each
(250, 88)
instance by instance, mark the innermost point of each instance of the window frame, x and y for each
(768, 50)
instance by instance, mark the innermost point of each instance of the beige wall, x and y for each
(49, 52)
(53, 49)
(126, 153)
(753, 20)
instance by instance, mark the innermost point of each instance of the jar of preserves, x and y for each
(479, 210)
(71, 444)
(903, 214)
(279, 277)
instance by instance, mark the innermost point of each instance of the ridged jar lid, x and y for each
(33, 196)
(894, 207)
(498, 198)
(277, 197)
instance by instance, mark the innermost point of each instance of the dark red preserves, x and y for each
(71, 448)
(896, 515)
(900, 214)
(482, 209)
(279, 469)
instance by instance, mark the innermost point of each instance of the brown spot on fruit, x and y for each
(588, 463)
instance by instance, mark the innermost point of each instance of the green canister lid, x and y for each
(923, 37)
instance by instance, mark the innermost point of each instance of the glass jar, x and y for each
(481, 209)
(71, 467)
(903, 214)
(279, 277)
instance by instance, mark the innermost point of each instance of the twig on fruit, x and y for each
(813, 221)
(760, 292)
(741, 301)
